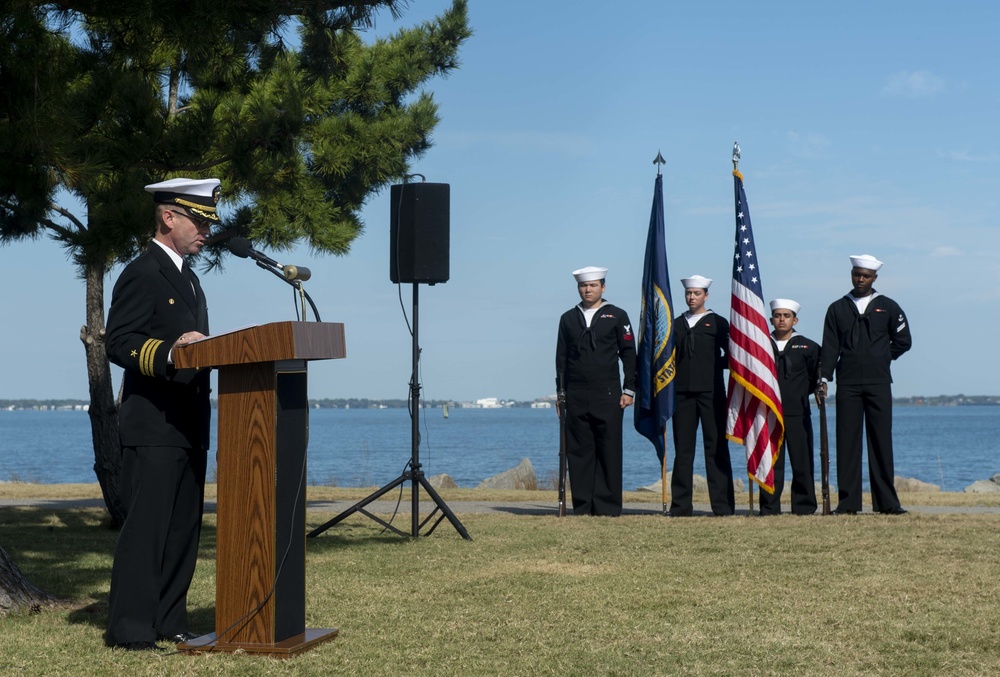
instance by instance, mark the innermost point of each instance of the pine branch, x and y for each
(62, 211)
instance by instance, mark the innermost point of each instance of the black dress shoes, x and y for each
(180, 637)
(894, 511)
(136, 646)
(840, 511)
(680, 512)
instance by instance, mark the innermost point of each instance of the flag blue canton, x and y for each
(745, 259)
(656, 357)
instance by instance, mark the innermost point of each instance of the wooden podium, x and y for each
(263, 434)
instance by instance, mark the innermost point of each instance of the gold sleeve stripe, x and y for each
(146, 356)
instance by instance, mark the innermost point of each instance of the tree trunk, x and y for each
(103, 413)
(16, 591)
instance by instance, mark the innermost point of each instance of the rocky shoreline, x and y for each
(522, 476)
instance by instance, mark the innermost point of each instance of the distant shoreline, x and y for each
(483, 403)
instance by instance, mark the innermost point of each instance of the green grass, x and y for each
(536, 595)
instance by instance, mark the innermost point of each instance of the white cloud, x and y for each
(913, 85)
(966, 156)
(945, 251)
(809, 146)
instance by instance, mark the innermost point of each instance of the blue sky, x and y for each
(865, 128)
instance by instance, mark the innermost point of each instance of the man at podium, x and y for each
(158, 305)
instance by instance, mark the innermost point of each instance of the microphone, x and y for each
(296, 272)
(240, 246)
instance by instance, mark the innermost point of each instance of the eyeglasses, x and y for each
(199, 223)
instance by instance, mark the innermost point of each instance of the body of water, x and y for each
(948, 446)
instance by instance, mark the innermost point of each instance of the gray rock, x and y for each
(442, 481)
(656, 486)
(521, 476)
(699, 484)
(911, 484)
(983, 487)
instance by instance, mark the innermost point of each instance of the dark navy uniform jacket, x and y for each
(702, 353)
(587, 357)
(860, 348)
(151, 306)
(798, 371)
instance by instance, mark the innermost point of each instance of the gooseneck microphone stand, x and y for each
(413, 474)
(297, 285)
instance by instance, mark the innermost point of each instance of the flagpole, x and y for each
(659, 162)
(663, 472)
(656, 359)
(736, 170)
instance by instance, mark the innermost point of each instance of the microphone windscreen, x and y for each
(239, 246)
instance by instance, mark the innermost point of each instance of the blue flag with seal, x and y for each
(656, 365)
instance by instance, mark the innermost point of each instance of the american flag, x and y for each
(755, 418)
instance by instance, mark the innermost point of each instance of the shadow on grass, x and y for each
(356, 531)
(68, 553)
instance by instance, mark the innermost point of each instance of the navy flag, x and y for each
(657, 358)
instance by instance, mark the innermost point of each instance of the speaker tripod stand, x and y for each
(414, 475)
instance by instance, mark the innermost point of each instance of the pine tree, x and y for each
(101, 97)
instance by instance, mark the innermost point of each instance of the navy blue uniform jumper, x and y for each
(587, 371)
(798, 372)
(859, 348)
(702, 356)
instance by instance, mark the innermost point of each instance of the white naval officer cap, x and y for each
(200, 196)
(866, 261)
(590, 273)
(696, 282)
(787, 304)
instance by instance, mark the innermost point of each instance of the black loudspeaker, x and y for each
(419, 216)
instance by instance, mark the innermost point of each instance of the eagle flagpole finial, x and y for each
(658, 162)
(736, 155)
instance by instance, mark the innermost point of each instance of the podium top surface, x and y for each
(266, 343)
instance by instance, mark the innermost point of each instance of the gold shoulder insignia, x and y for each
(134, 353)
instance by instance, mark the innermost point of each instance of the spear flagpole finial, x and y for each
(659, 161)
(736, 155)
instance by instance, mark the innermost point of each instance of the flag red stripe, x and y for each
(755, 416)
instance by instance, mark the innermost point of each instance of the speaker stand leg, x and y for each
(414, 475)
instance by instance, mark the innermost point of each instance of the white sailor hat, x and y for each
(697, 282)
(866, 261)
(199, 196)
(590, 273)
(788, 304)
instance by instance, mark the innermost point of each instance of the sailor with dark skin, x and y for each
(863, 333)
